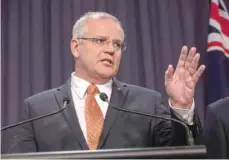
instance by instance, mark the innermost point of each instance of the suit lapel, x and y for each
(118, 95)
(70, 114)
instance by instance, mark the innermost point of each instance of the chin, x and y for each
(107, 75)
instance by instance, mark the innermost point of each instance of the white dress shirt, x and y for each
(185, 115)
(78, 90)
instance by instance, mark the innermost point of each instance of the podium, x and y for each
(183, 152)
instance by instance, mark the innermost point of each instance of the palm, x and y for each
(180, 85)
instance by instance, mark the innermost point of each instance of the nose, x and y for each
(110, 49)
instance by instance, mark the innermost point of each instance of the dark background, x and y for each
(36, 38)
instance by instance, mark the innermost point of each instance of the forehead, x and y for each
(104, 27)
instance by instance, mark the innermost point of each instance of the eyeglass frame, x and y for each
(95, 40)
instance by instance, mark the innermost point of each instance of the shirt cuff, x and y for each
(186, 115)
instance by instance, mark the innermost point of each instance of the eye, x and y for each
(99, 40)
(117, 45)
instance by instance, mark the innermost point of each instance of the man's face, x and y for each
(98, 52)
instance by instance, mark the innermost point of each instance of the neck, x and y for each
(92, 80)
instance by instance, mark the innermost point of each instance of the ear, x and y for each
(74, 47)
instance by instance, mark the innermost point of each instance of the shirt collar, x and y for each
(80, 86)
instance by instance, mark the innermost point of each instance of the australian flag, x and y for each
(218, 52)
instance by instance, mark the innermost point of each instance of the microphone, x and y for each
(189, 136)
(65, 101)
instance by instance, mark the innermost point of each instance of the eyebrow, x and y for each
(117, 40)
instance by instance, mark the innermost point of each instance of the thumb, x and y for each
(169, 74)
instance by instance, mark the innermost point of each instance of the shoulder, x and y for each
(48, 95)
(41, 96)
(220, 108)
(220, 104)
(134, 89)
(143, 99)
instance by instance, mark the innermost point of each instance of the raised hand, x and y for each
(180, 85)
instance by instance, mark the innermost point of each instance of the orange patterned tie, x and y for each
(94, 117)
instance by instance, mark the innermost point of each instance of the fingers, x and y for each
(191, 65)
(169, 73)
(198, 73)
(194, 64)
(189, 62)
(187, 66)
(190, 57)
(183, 57)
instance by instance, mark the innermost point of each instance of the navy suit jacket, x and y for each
(121, 129)
(217, 129)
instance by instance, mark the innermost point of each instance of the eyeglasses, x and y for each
(102, 41)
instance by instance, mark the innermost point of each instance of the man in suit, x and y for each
(216, 129)
(90, 123)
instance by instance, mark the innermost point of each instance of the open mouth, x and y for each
(107, 61)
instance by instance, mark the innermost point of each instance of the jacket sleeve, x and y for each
(215, 137)
(23, 140)
(179, 134)
(172, 133)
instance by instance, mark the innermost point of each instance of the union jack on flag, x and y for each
(218, 52)
(218, 38)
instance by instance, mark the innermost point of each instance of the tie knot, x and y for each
(92, 89)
